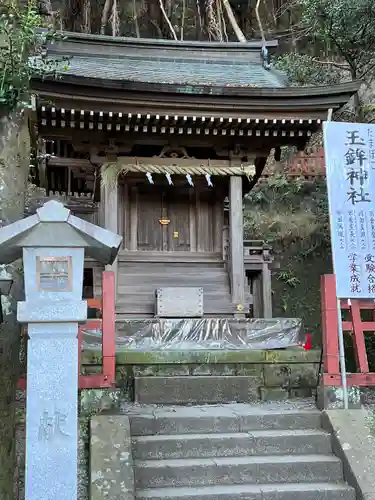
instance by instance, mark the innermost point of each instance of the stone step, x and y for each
(242, 417)
(238, 470)
(293, 491)
(237, 444)
(303, 491)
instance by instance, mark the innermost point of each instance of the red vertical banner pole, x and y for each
(108, 326)
(330, 325)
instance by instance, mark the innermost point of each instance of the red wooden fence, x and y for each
(107, 326)
(309, 163)
(355, 326)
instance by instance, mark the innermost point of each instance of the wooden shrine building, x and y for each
(151, 139)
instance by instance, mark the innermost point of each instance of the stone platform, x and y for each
(169, 377)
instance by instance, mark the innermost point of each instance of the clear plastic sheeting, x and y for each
(202, 334)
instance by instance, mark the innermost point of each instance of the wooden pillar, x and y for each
(101, 215)
(110, 199)
(266, 291)
(192, 220)
(199, 219)
(218, 218)
(237, 268)
(134, 220)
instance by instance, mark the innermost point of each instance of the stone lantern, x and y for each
(53, 244)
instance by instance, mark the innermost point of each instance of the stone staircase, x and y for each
(270, 451)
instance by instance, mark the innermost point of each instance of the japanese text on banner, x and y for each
(350, 167)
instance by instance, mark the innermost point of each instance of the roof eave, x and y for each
(346, 90)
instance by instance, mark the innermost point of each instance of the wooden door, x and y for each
(177, 203)
(150, 212)
(163, 219)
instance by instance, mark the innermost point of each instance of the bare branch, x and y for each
(167, 19)
(259, 21)
(344, 66)
(105, 15)
(183, 20)
(233, 22)
(135, 19)
(220, 6)
(199, 16)
(115, 19)
(86, 26)
(367, 70)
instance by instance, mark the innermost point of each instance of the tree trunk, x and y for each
(105, 16)
(233, 22)
(14, 160)
(357, 109)
(155, 19)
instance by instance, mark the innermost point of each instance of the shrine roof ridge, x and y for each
(103, 42)
(122, 59)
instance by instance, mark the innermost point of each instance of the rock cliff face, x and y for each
(14, 169)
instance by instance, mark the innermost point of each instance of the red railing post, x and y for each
(109, 327)
(329, 325)
(359, 337)
(331, 375)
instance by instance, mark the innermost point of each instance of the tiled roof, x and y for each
(172, 71)
(190, 63)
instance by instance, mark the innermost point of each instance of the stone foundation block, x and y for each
(291, 375)
(111, 461)
(333, 397)
(306, 392)
(273, 394)
(253, 370)
(160, 370)
(195, 390)
(219, 369)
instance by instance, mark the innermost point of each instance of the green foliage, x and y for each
(291, 215)
(344, 32)
(303, 69)
(289, 278)
(21, 53)
(284, 211)
(346, 28)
